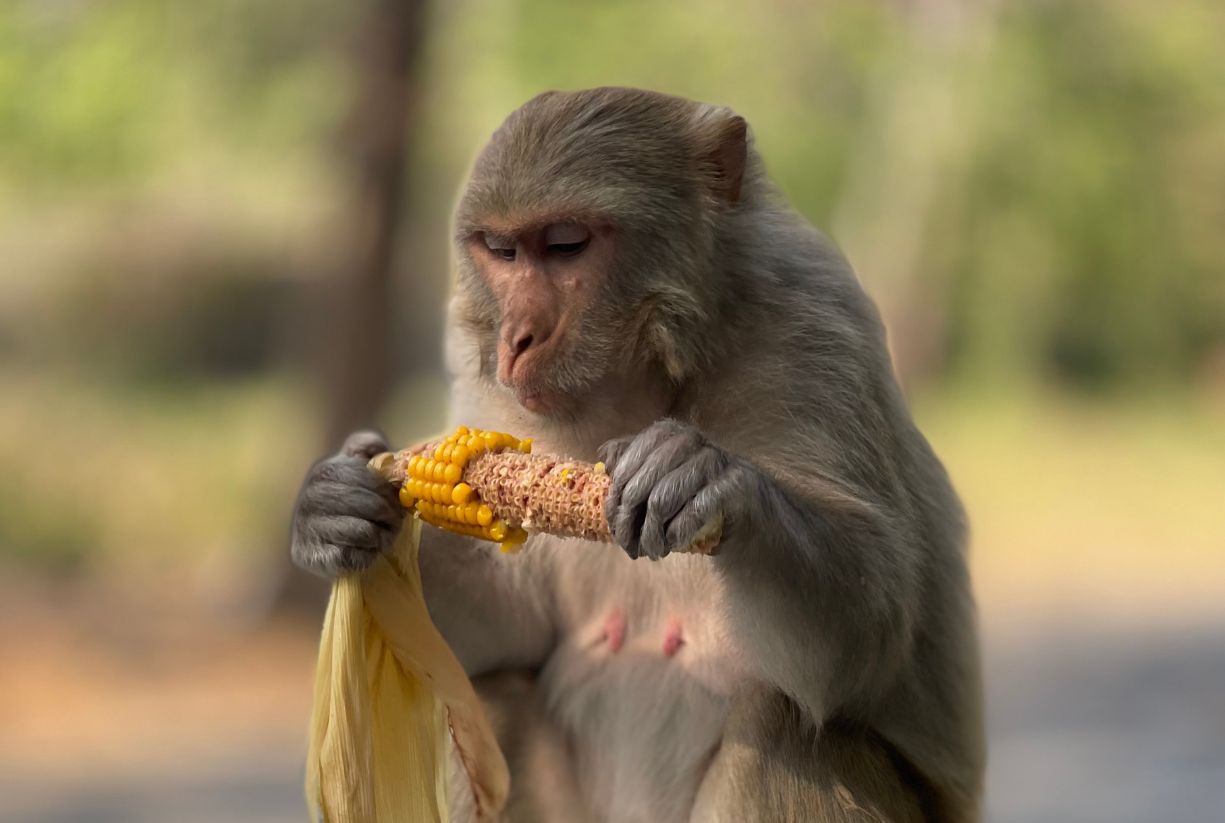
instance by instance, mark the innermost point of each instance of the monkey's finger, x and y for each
(625, 523)
(331, 497)
(344, 468)
(353, 471)
(654, 453)
(364, 444)
(345, 531)
(653, 467)
(702, 510)
(329, 561)
(671, 494)
(627, 499)
(610, 453)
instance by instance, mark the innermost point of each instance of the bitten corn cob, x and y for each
(434, 486)
(489, 485)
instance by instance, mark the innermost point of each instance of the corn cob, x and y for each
(490, 486)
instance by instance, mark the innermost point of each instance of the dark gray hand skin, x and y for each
(346, 515)
(668, 483)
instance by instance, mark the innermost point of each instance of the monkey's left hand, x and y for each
(668, 483)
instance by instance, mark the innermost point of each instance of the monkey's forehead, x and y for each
(613, 153)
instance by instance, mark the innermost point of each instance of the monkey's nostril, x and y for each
(523, 344)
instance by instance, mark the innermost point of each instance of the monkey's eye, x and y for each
(502, 248)
(566, 239)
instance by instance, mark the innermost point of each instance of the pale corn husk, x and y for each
(387, 687)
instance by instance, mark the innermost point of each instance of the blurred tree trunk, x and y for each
(921, 130)
(354, 321)
(357, 358)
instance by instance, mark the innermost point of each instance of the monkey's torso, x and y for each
(647, 705)
(641, 680)
(622, 725)
(823, 665)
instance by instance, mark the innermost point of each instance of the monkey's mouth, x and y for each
(537, 396)
(523, 377)
(530, 393)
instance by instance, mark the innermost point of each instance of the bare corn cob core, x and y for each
(488, 485)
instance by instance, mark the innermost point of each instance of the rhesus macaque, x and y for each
(632, 287)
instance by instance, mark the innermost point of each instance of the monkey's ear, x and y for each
(727, 155)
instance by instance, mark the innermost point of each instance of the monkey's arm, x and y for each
(827, 592)
(823, 586)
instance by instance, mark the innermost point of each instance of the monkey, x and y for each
(631, 286)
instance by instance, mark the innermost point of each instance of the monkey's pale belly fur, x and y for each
(640, 683)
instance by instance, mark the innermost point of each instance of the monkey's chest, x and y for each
(640, 685)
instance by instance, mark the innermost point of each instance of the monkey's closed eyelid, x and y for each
(568, 249)
(566, 234)
(499, 245)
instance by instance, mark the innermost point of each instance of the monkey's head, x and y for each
(589, 242)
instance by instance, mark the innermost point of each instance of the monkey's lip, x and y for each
(536, 399)
(520, 379)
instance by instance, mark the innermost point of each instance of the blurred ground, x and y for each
(1100, 725)
(164, 694)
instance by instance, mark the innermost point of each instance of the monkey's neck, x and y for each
(617, 407)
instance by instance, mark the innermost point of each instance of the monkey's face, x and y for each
(588, 242)
(546, 279)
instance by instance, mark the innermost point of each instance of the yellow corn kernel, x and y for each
(525, 445)
(406, 499)
(453, 473)
(600, 468)
(497, 531)
(462, 493)
(484, 515)
(514, 538)
(438, 452)
(461, 431)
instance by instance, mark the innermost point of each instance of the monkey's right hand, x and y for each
(346, 514)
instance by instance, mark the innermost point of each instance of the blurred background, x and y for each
(224, 242)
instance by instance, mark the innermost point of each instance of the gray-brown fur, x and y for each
(829, 669)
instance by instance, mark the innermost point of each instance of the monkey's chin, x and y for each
(544, 403)
(536, 403)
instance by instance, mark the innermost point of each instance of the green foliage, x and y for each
(1092, 182)
(1079, 238)
(116, 92)
(1077, 235)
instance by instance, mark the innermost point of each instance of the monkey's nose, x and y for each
(522, 343)
(517, 341)
(524, 336)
